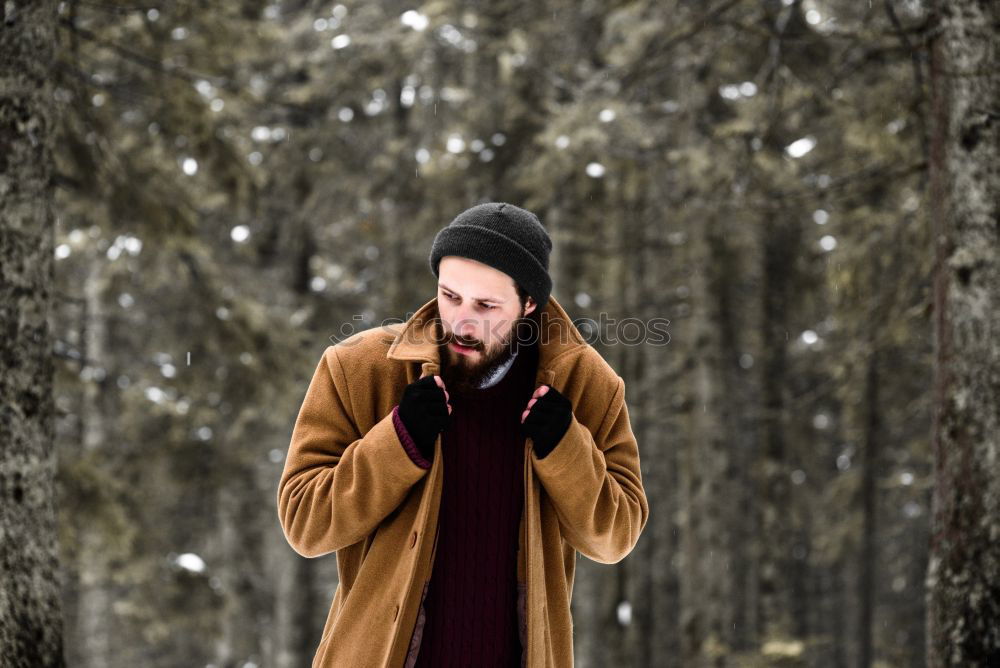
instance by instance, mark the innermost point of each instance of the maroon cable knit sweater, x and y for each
(471, 605)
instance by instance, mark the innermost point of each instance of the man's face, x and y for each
(479, 308)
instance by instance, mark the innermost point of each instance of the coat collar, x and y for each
(416, 340)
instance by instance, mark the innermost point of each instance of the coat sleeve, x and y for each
(337, 484)
(594, 482)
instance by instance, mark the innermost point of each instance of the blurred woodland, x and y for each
(198, 197)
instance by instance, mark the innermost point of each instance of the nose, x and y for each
(467, 331)
(466, 326)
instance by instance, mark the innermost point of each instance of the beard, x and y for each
(461, 374)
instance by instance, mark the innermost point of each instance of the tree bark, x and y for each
(30, 610)
(963, 578)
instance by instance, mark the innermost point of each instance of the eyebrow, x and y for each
(478, 299)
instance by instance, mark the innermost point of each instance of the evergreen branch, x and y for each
(145, 61)
(655, 49)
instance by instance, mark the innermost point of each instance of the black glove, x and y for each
(547, 421)
(424, 412)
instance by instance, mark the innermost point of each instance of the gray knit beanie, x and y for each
(505, 237)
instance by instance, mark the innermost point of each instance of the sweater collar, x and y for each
(498, 373)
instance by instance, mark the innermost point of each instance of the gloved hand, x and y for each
(546, 419)
(424, 410)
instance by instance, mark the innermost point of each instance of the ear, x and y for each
(529, 305)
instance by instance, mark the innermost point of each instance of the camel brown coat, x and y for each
(349, 487)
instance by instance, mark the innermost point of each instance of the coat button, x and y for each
(413, 539)
(395, 613)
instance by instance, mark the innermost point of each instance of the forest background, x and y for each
(198, 197)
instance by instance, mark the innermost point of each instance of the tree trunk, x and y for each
(774, 525)
(963, 578)
(867, 578)
(91, 636)
(30, 611)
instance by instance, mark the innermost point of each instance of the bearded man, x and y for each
(457, 463)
